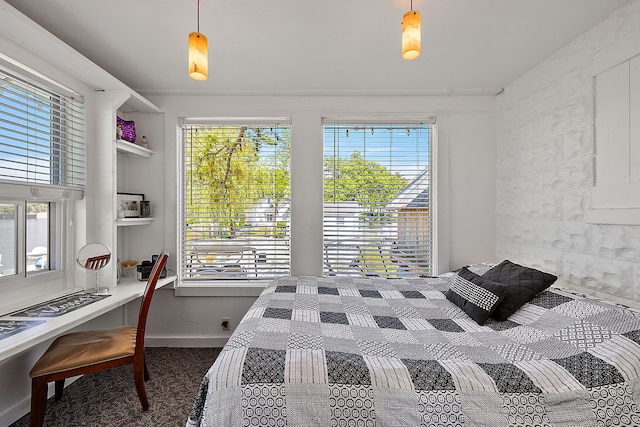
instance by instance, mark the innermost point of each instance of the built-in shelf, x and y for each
(134, 149)
(122, 222)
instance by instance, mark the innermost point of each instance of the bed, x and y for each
(349, 351)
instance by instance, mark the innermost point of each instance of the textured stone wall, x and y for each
(545, 168)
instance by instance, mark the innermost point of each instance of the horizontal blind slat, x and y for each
(42, 134)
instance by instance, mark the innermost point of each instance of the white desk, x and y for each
(125, 292)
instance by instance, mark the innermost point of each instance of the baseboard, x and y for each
(14, 413)
(186, 342)
(23, 407)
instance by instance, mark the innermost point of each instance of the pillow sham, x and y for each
(128, 128)
(523, 283)
(479, 269)
(475, 295)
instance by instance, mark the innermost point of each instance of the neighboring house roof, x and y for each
(421, 200)
(414, 195)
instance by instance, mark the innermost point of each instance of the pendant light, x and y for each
(198, 53)
(411, 34)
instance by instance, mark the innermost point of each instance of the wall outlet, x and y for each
(226, 324)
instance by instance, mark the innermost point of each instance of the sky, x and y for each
(398, 148)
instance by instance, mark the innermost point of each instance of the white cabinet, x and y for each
(615, 195)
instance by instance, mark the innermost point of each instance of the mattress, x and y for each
(347, 351)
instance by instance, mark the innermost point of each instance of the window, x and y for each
(235, 201)
(42, 165)
(378, 199)
(41, 134)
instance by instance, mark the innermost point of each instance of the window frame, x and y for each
(21, 289)
(432, 204)
(55, 238)
(61, 192)
(251, 283)
(615, 188)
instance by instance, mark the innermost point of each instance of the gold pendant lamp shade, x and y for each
(198, 56)
(411, 34)
(198, 53)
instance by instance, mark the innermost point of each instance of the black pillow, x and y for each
(475, 295)
(523, 283)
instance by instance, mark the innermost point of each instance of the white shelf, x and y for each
(122, 222)
(134, 149)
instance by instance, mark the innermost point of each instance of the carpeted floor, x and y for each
(109, 399)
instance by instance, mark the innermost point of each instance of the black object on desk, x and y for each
(144, 269)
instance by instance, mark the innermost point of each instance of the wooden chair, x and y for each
(92, 351)
(97, 262)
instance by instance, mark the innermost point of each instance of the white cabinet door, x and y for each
(612, 126)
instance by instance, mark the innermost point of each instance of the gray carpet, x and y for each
(109, 398)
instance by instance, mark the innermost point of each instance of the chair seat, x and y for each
(81, 349)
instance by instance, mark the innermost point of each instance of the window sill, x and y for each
(612, 216)
(220, 288)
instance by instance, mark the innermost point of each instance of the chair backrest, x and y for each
(97, 262)
(146, 299)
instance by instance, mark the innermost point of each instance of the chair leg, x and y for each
(38, 401)
(59, 389)
(138, 376)
(146, 371)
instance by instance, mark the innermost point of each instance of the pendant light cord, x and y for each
(199, 7)
(199, 15)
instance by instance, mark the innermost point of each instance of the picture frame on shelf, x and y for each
(129, 205)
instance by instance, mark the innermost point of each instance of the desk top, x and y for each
(50, 327)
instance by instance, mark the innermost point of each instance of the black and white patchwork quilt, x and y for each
(332, 351)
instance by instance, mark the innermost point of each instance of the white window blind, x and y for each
(378, 199)
(235, 201)
(42, 134)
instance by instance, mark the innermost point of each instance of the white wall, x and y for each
(465, 180)
(545, 148)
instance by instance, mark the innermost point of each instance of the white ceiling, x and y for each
(317, 47)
